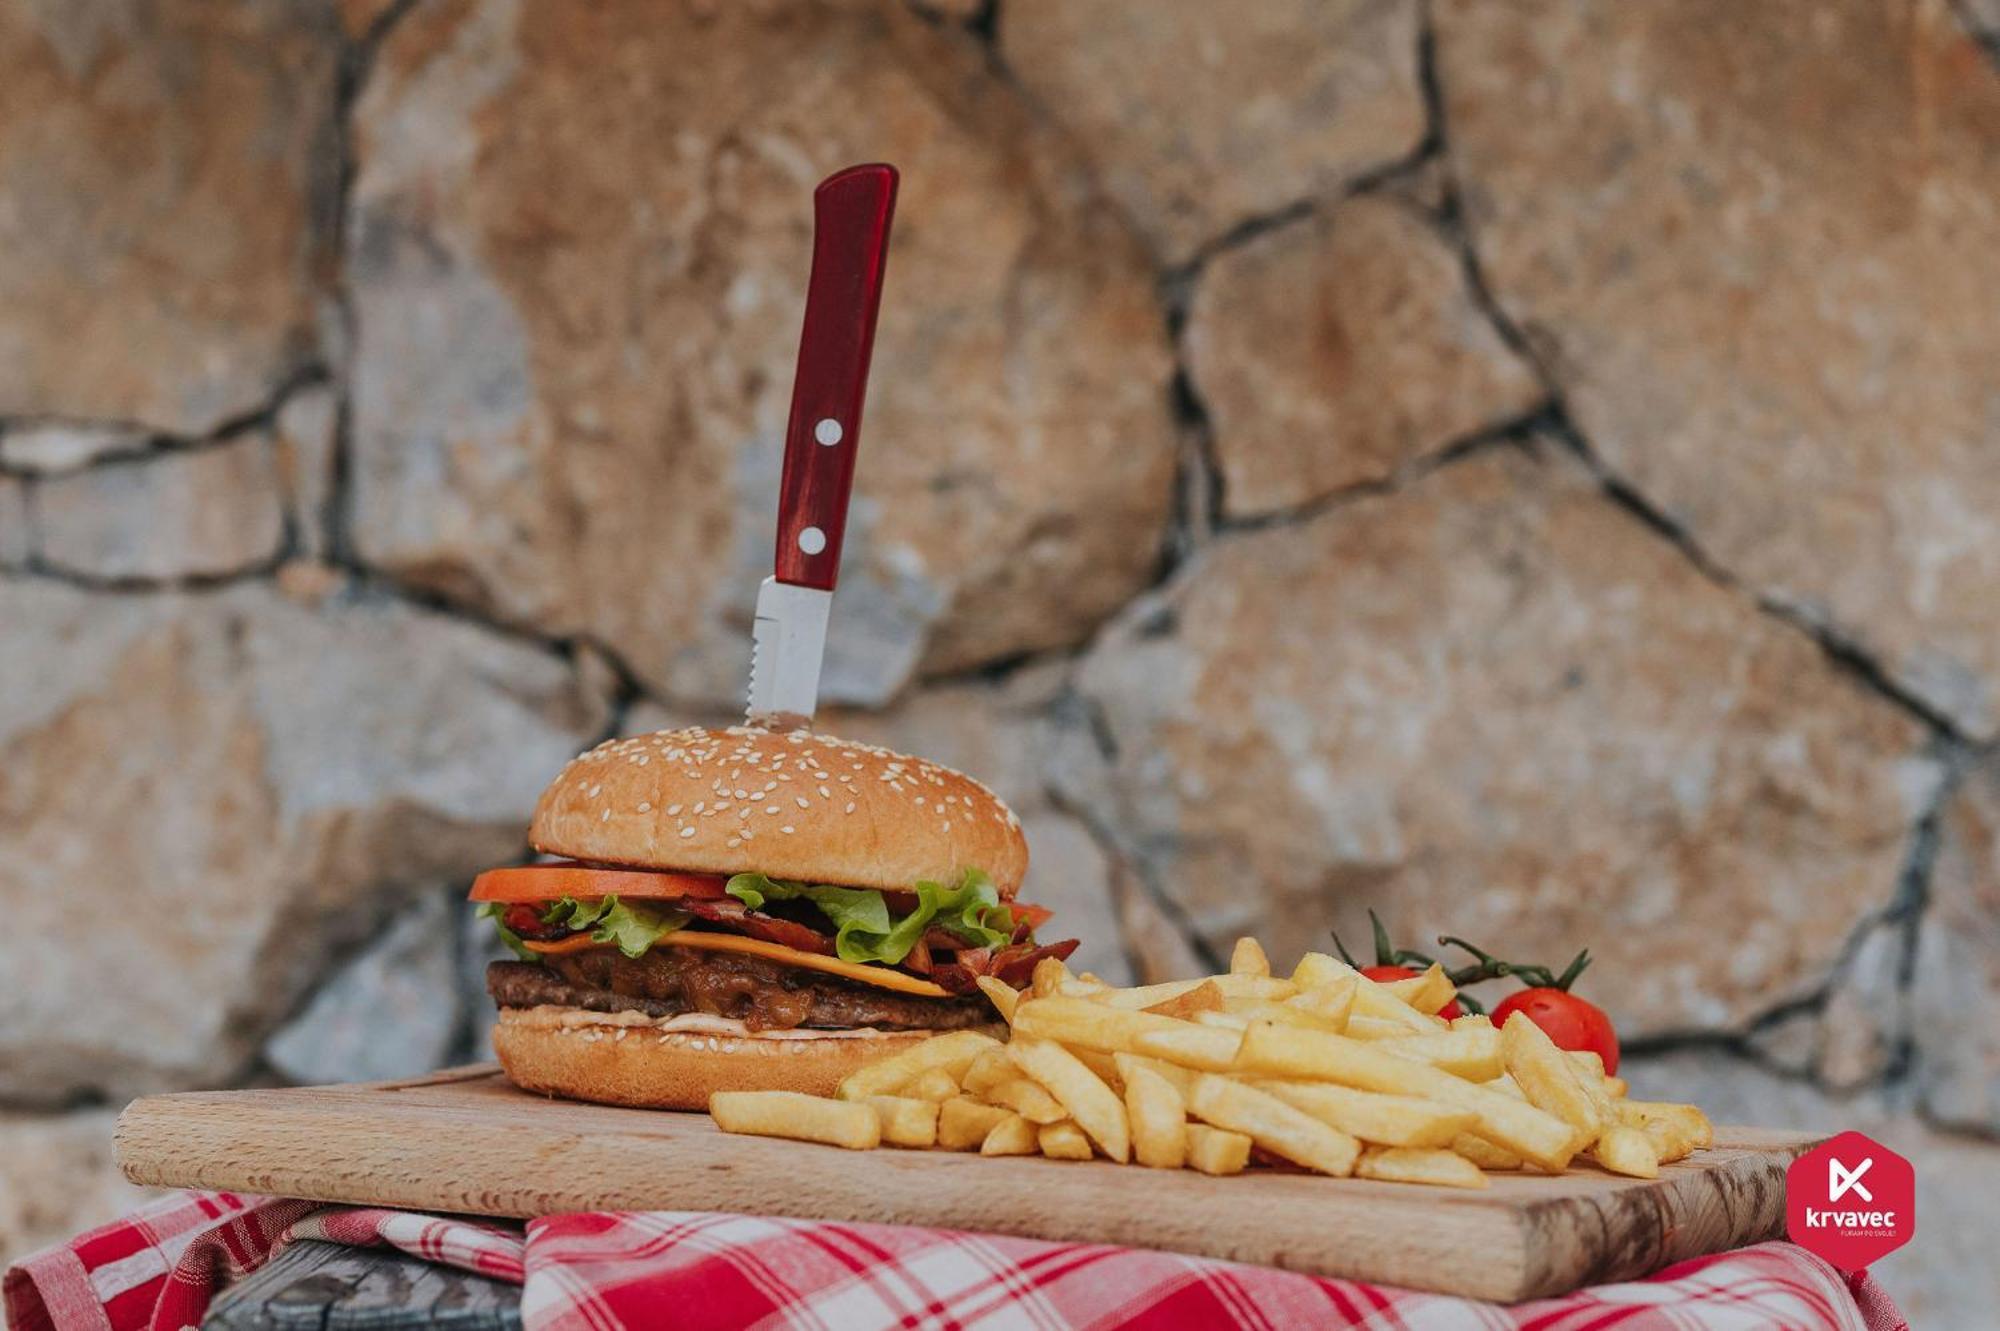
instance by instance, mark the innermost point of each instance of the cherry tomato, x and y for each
(1571, 1022)
(1450, 1011)
(553, 882)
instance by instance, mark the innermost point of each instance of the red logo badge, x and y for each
(1851, 1200)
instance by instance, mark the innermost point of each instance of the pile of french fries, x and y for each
(1324, 1069)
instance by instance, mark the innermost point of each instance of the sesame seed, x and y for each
(673, 809)
(605, 817)
(824, 793)
(787, 829)
(800, 800)
(733, 842)
(850, 806)
(645, 806)
(698, 805)
(770, 808)
(687, 831)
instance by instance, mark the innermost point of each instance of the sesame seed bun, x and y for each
(797, 806)
(583, 1055)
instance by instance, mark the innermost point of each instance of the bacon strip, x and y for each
(739, 917)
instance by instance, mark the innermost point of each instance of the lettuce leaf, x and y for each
(493, 910)
(864, 928)
(633, 929)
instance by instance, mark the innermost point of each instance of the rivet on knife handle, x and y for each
(851, 212)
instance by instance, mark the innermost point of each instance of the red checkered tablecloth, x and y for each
(159, 1266)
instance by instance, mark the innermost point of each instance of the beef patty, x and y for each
(763, 994)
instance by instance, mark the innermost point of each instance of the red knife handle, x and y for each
(851, 212)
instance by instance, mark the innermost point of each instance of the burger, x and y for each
(740, 909)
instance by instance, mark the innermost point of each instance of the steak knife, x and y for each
(851, 213)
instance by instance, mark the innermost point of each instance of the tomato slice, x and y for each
(1032, 916)
(552, 882)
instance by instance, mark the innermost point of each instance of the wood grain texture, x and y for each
(467, 1141)
(319, 1286)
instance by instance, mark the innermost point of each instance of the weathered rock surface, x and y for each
(304, 438)
(1497, 704)
(212, 510)
(47, 447)
(14, 542)
(579, 251)
(60, 1179)
(392, 1011)
(1957, 977)
(1199, 116)
(1947, 1277)
(254, 775)
(1782, 337)
(1340, 348)
(167, 179)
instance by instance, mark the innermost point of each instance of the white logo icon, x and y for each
(1840, 1180)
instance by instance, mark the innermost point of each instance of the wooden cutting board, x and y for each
(466, 1141)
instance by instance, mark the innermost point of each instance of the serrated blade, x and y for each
(787, 644)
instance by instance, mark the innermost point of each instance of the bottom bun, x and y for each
(629, 1059)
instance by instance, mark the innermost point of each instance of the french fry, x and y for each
(1147, 995)
(1410, 1164)
(1254, 986)
(953, 1052)
(1273, 1125)
(1588, 1063)
(1157, 1111)
(1063, 1141)
(1670, 1141)
(1317, 970)
(1290, 1053)
(1079, 1021)
(1387, 1120)
(1211, 1049)
(963, 1123)
(1048, 977)
(1096, 1107)
(1473, 1021)
(1027, 1099)
(1484, 1153)
(1364, 1027)
(1013, 1135)
(1473, 1054)
(1248, 958)
(934, 1084)
(1182, 1079)
(1101, 1063)
(905, 1121)
(1686, 1121)
(1426, 992)
(1547, 1077)
(1215, 1151)
(806, 1118)
(1204, 997)
(1329, 1006)
(1002, 995)
(1616, 1087)
(1225, 1021)
(987, 1071)
(1626, 1150)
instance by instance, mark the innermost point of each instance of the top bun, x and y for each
(796, 806)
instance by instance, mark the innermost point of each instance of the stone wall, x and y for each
(1526, 468)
